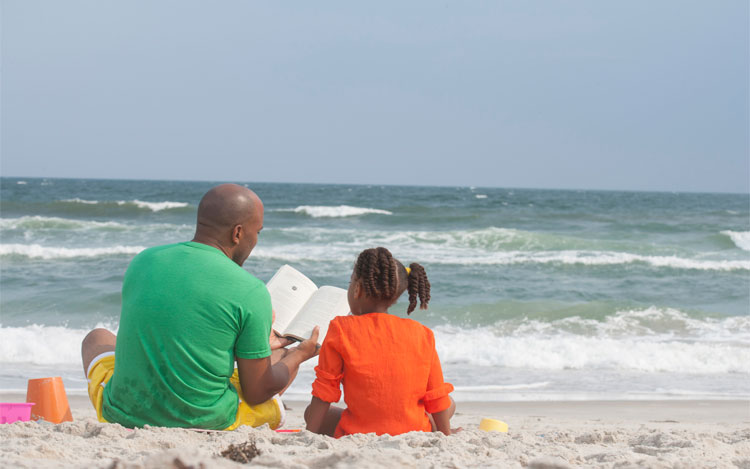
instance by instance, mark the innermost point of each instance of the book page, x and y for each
(290, 289)
(323, 305)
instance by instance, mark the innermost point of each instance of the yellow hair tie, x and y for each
(408, 270)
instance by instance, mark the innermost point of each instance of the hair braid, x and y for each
(378, 271)
(364, 272)
(391, 278)
(382, 277)
(418, 286)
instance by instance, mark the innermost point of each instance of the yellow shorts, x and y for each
(270, 412)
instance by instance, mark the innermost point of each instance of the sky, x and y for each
(630, 95)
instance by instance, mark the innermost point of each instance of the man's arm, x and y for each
(261, 379)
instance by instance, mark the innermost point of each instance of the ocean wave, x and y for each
(503, 387)
(486, 239)
(36, 251)
(345, 251)
(650, 322)
(153, 206)
(741, 239)
(540, 349)
(563, 351)
(594, 258)
(340, 211)
(38, 222)
(80, 201)
(42, 345)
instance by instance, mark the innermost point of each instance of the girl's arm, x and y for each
(442, 419)
(437, 393)
(315, 415)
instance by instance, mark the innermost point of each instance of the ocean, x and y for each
(536, 294)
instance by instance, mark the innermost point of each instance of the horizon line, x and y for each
(659, 191)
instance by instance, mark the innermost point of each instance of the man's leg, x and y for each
(94, 344)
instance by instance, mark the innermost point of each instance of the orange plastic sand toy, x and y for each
(50, 398)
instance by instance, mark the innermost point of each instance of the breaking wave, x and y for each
(152, 206)
(741, 239)
(321, 211)
(650, 340)
(36, 251)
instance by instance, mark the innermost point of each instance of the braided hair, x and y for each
(385, 278)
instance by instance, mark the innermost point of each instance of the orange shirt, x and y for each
(390, 371)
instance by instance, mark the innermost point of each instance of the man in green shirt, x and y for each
(189, 311)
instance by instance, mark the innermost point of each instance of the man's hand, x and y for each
(275, 341)
(261, 379)
(309, 347)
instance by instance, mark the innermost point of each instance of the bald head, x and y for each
(225, 206)
(221, 211)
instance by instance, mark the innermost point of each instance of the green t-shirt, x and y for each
(187, 311)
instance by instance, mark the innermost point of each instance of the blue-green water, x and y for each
(536, 294)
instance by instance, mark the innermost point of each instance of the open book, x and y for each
(300, 305)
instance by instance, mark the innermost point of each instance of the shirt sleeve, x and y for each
(436, 398)
(256, 315)
(328, 373)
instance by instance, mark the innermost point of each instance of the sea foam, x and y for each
(650, 340)
(651, 322)
(487, 246)
(36, 251)
(575, 352)
(741, 239)
(340, 211)
(503, 387)
(153, 206)
(595, 258)
(39, 222)
(345, 251)
(77, 200)
(42, 345)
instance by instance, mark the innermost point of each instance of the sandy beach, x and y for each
(544, 205)
(622, 434)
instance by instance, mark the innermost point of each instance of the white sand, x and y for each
(621, 434)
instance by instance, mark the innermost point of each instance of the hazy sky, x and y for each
(639, 95)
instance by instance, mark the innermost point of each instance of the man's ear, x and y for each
(236, 234)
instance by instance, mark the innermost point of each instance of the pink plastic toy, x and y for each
(15, 411)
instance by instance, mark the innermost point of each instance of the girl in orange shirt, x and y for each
(391, 374)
